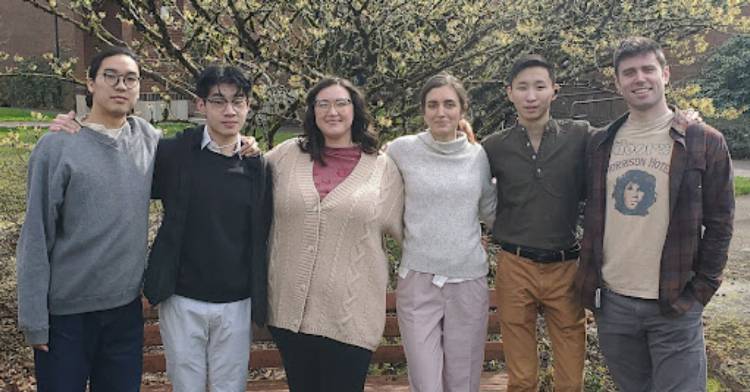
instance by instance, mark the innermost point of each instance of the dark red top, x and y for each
(339, 164)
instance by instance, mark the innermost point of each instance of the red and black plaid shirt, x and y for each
(701, 202)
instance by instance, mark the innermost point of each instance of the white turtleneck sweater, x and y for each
(448, 190)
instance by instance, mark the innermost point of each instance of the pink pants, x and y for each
(443, 332)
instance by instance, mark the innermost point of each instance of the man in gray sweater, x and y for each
(80, 264)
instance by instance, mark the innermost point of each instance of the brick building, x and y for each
(30, 32)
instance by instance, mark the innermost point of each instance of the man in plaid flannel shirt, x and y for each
(658, 222)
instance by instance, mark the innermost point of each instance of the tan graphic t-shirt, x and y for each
(637, 207)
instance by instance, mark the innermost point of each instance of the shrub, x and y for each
(726, 73)
(737, 133)
(34, 91)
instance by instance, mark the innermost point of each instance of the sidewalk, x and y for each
(741, 168)
(16, 124)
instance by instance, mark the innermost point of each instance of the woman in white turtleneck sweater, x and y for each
(442, 298)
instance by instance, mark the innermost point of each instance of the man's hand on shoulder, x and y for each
(683, 118)
(249, 147)
(40, 347)
(66, 123)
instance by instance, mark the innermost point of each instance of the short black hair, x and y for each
(96, 63)
(528, 61)
(636, 46)
(215, 75)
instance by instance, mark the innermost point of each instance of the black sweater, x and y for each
(175, 170)
(214, 266)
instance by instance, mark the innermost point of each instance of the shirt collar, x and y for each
(551, 127)
(206, 142)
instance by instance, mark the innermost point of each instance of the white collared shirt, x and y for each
(212, 146)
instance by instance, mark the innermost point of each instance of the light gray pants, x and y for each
(646, 351)
(443, 331)
(206, 344)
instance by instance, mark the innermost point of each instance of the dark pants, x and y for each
(104, 348)
(646, 351)
(319, 364)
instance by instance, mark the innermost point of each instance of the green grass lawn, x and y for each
(172, 127)
(741, 186)
(20, 114)
(714, 385)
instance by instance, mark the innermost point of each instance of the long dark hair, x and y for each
(312, 141)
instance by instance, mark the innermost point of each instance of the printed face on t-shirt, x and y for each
(635, 193)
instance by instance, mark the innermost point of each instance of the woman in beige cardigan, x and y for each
(335, 197)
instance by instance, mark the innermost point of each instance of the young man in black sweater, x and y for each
(208, 264)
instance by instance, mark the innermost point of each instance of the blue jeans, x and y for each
(104, 348)
(646, 351)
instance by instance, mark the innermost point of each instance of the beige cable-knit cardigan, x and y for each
(328, 270)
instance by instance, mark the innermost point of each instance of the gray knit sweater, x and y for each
(83, 243)
(448, 191)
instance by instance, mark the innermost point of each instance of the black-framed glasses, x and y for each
(325, 105)
(220, 103)
(130, 80)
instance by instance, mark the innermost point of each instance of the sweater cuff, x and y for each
(37, 336)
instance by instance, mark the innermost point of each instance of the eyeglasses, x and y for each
(324, 105)
(220, 103)
(130, 80)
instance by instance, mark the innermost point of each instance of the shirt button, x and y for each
(533, 157)
(310, 248)
(302, 288)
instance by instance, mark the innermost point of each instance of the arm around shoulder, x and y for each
(392, 200)
(488, 199)
(261, 221)
(280, 151)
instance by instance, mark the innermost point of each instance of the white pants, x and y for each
(206, 344)
(444, 330)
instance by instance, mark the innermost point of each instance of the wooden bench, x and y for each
(154, 361)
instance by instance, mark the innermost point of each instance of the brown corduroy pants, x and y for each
(523, 287)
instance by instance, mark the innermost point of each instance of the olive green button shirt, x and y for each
(538, 193)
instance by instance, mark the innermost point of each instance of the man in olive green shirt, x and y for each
(539, 168)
